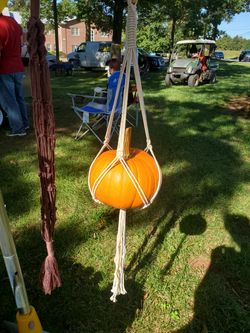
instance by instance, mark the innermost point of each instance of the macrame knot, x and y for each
(131, 26)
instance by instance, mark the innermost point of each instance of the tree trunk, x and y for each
(88, 30)
(215, 31)
(56, 30)
(172, 34)
(117, 28)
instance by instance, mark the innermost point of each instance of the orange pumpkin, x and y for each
(116, 188)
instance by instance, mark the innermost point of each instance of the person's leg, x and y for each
(9, 103)
(20, 98)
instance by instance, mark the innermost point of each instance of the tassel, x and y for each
(49, 274)
(118, 282)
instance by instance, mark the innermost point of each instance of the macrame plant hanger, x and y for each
(44, 126)
(119, 157)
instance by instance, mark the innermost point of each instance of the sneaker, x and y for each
(16, 134)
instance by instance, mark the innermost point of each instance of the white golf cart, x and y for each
(192, 63)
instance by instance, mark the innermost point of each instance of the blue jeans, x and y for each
(12, 101)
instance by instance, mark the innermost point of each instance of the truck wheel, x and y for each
(213, 78)
(168, 81)
(193, 80)
(1, 117)
(74, 62)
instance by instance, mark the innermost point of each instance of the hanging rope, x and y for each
(121, 157)
(44, 125)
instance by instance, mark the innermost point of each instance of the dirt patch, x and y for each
(200, 263)
(240, 106)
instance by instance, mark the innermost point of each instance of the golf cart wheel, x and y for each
(213, 78)
(193, 80)
(168, 81)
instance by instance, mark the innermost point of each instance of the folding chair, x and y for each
(96, 112)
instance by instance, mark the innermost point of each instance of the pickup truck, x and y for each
(91, 55)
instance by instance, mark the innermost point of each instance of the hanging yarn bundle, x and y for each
(44, 126)
(126, 177)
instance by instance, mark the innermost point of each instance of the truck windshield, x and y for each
(81, 47)
(104, 47)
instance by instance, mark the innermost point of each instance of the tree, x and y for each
(172, 13)
(214, 12)
(65, 9)
(106, 16)
(233, 43)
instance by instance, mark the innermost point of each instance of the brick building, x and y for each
(71, 34)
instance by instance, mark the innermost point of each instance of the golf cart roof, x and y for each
(196, 41)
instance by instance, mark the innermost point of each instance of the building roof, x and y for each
(196, 41)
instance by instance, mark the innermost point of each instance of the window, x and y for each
(104, 34)
(74, 47)
(81, 47)
(104, 47)
(75, 31)
(48, 47)
(92, 35)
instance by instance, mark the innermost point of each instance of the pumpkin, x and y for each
(116, 188)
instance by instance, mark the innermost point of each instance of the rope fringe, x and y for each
(118, 282)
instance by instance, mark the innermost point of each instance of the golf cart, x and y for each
(191, 62)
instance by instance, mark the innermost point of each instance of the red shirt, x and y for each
(10, 46)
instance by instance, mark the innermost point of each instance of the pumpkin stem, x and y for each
(127, 142)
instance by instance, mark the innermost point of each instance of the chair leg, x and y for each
(78, 136)
(92, 131)
(89, 128)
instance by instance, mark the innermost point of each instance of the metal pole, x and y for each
(12, 263)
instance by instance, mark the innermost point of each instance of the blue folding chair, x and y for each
(96, 112)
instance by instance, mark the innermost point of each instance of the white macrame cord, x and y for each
(130, 57)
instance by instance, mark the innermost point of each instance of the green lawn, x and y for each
(187, 264)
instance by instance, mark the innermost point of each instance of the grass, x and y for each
(187, 265)
(230, 54)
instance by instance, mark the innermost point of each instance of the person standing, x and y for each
(11, 76)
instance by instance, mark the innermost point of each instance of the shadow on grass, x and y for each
(190, 225)
(202, 170)
(222, 300)
(80, 305)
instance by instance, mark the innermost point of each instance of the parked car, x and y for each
(191, 62)
(152, 61)
(51, 58)
(245, 56)
(219, 54)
